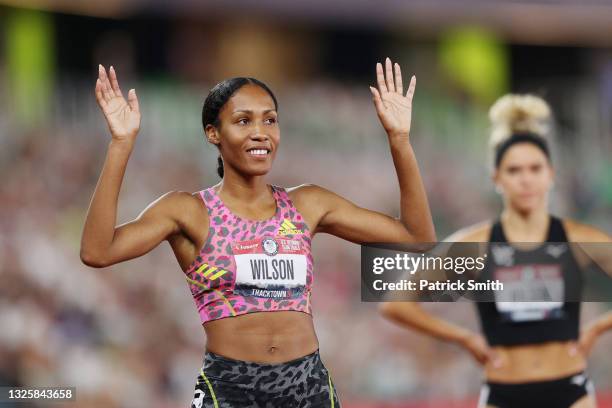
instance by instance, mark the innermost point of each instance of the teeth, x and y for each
(258, 152)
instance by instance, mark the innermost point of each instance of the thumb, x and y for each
(377, 100)
(133, 100)
(493, 358)
(575, 347)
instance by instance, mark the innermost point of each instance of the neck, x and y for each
(526, 226)
(243, 188)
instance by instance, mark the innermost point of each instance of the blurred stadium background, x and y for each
(128, 336)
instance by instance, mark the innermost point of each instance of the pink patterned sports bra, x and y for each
(249, 266)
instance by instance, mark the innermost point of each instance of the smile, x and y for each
(258, 152)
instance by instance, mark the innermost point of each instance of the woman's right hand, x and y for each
(122, 117)
(479, 349)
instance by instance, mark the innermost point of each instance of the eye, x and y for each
(513, 170)
(242, 121)
(270, 121)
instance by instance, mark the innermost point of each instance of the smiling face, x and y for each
(248, 133)
(525, 177)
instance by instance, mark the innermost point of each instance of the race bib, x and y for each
(270, 268)
(531, 292)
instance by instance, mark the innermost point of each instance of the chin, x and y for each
(527, 207)
(258, 171)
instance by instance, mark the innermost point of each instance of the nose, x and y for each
(259, 136)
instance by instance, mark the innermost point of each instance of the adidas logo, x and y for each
(287, 228)
(207, 271)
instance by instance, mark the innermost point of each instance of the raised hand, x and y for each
(123, 117)
(393, 108)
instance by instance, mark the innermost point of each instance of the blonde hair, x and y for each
(514, 114)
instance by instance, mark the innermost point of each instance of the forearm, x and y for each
(99, 228)
(413, 316)
(414, 207)
(602, 324)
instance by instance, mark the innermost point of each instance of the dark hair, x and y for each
(218, 97)
(532, 138)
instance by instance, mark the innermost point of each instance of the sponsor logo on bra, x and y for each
(270, 246)
(503, 254)
(287, 228)
(555, 250)
(243, 247)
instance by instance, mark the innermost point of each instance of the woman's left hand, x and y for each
(394, 110)
(585, 344)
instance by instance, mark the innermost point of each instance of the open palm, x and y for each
(393, 108)
(123, 117)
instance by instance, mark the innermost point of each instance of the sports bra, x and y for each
(522, 317)
(247, 266)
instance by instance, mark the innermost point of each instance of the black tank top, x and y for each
(514, 317)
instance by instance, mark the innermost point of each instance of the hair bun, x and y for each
(515, 113)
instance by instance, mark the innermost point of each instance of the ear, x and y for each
(494, 179)
(212, 135)
(553, 176)
(494, 176)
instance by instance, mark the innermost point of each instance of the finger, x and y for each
(573, 349)
(377, 99)
(399, 87)
(99, 96)
(494, 359)
(411, 87)
(133, 100)
(107, 85)
(480, 356)
(114, 82)
(389, 75)
(104, 81)
(380, 79)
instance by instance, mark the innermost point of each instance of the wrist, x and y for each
(599, 328)
(120, 146)
(399, 136)
(400, 144)
(462, 337)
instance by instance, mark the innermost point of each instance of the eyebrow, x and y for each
(250, 111)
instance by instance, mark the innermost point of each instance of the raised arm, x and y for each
(395, 114)
(335, 215)
(103, 243)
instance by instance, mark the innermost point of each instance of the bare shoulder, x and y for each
(179, 200)
(306, 191)
(175, 204)
(579, 232)
(474, 233)
(310, 196)
(313, 202)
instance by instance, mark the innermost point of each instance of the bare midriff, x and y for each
(262, 337)
(535, 362)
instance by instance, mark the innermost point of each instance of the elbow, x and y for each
(420, 235)
(427, 236)
(387, 309)
(92, 259)
(399, 312)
